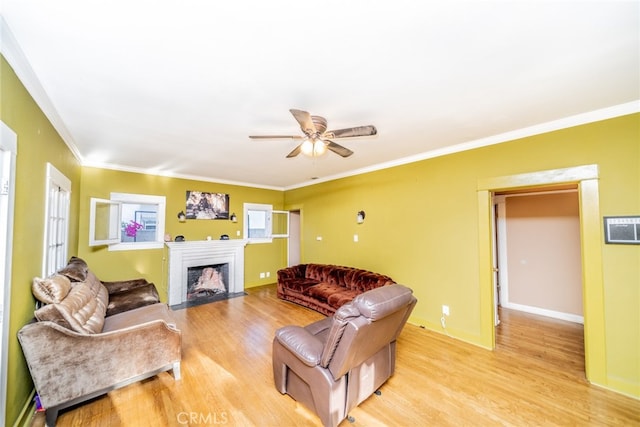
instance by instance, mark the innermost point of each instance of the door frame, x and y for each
(8, 153)
(586, 179)
(498, 252)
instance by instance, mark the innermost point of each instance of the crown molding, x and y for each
(14, 55)
(154, 172)
(564, 123)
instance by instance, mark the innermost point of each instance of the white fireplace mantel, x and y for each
(183, 255)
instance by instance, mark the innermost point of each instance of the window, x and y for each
(56, 226)
(127, 222)
(280, 224)
(262, 223)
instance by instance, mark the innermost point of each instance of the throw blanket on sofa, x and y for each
(324, 287)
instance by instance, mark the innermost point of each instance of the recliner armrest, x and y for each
(301, 344)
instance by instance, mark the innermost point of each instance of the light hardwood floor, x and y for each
(535, 377)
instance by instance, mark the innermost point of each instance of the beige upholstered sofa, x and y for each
(334, 364)
(90, 337)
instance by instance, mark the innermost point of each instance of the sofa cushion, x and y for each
(339, 298)
(322, 291)
(53, 289)
(298, 285)
(138, 316)
(76, 269)
(338, 275)
(362, 280)
(82, 310)
(129, 299)
(98, 289)
(318, 272)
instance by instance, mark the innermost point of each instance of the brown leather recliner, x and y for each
(332, 365)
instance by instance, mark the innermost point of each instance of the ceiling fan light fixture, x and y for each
(319, 148)
(307, 147)
(313, 147)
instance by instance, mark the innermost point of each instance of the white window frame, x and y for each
(113, 206)
(112, 211)
(286, 221)
(8, 154)
(56, 221)
(268, 227)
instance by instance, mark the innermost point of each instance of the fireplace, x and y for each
(203, 268)
(206, 281)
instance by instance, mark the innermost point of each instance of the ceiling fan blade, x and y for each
(275, 137)
(338, 149)
(351, 132)
(304, 118)
(295, 152)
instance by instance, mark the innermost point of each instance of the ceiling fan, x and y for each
(317, 139)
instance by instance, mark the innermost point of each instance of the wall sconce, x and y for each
(360, 217)
(233, 217)
(181, 216)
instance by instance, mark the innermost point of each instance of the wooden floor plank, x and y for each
(534, 377)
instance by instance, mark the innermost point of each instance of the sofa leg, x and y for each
(176, 371)
(50, 415)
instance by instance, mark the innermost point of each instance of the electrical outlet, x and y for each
(445, 310)
(355, 237)
(262, 275)
(268, 274)
(238, 233)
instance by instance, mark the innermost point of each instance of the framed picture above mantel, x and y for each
(204, 205)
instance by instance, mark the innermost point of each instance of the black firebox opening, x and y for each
(207, 281)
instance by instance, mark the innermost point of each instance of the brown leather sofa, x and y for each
(87, 339)
(333, 365)
(325, 287)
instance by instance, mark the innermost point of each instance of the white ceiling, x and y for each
(175, 87)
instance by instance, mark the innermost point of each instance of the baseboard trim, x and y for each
(544, 312)
(28, 409)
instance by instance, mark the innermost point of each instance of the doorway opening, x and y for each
(585, 178)
(538, 288)
(293, 244)
(538, 263)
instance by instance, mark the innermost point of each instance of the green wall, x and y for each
(152, 264)
(421, 228)
(38, 144)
